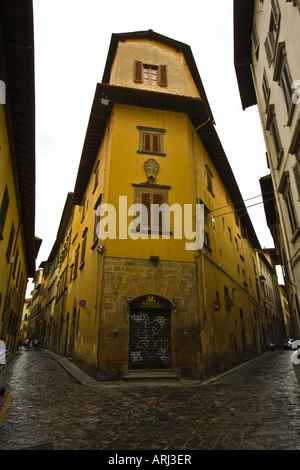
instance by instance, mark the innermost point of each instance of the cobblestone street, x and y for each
(255, 406)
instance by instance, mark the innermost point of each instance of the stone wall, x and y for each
(138, 277)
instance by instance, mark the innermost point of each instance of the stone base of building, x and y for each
(142, 329)
(149, 332)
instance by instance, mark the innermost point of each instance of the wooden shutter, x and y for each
(275, 11)
(296, 170)
(269, 48)
(163, 76)
(158, 199)
(244, 231)
(10, 241)
(3, 210)
(255, 39)
(138, 71)
(146, 201)
(147, 144)
(155, 143)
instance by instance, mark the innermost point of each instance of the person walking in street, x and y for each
(35, 344)
(26, 344)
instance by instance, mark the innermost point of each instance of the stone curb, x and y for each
(88, 381)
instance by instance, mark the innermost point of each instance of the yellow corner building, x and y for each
(135, 295)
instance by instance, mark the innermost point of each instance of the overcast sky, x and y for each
(71, 44)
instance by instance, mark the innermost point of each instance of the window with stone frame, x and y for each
(255, 42)
(206, 226)
(272, 127)
(296, 171)
(76, 262)
(153, 200)
(266, 89)
(295, 150)
(285, 189)
(97, 209)
(96, 176)
(151, 140)
(83, 248)
(10, 242)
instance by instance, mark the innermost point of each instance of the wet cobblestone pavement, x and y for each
(254, 407)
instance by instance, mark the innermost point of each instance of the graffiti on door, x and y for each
(150, 340)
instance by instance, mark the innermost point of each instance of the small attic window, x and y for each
(150, 74)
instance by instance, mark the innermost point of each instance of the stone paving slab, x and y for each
(254, 407)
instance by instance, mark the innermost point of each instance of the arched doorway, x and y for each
(150, 333)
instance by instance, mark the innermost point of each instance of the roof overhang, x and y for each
(243, 24)
(151, 35)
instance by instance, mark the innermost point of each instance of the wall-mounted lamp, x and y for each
(175, 302)
(101, 249)
(128, 300)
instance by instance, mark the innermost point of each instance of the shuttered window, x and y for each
(296, 170)
(255, 41)
(271, 39)
(10, 242)
(271, 126)
(266, 88)
(150, 74)
(83, 247)
(151, 218)
(3, 211)
(151, 143)
(286, 85)
(282, 75)
(291, 209)
(151, 140)
(76, 262)
(163, 77)
(285, 189)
